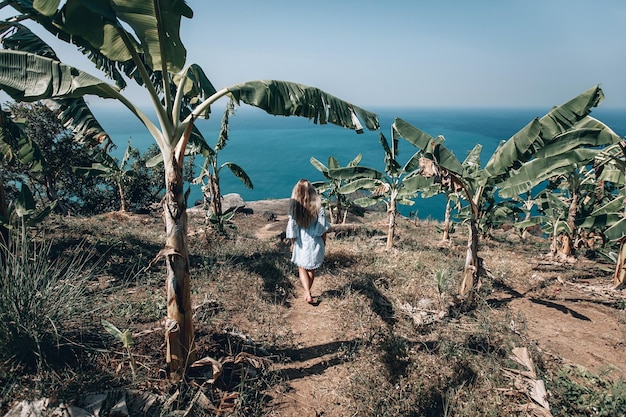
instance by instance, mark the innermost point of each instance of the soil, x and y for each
(574, 322)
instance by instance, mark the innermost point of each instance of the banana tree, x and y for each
(551, 218)
(210, 172)
(109, 168)
(329, 189)
(397, 185)
(610, 218)
(564, 162)
(139, 40)
(564, 129)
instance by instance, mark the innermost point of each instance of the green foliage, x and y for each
(40, 298)
(23, 212)
(146, 187)
(337, 204)
(397, 185)
(608, 212)
(110, 169)
(576, 392)
(138, 185)
(45, 161)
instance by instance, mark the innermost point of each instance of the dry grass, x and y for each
(396, 344)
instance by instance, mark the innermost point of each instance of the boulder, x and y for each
(232, 201)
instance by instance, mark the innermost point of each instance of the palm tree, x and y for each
(139, 40)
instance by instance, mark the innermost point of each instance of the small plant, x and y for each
(126, 337)
(442, 279)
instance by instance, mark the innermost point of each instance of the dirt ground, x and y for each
(572, 321)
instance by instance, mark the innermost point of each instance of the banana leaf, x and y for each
(614, 206)
(349, 173)
(284, 98)
(368, 201)
(413, 163)
(617, 230)
(538, 170)
(103, 23)
(359, 184)
(356, 161)
(589, 132)
(539, 132)
(319, 166)
(392, 167)
(431, 147)
(418, 183)
(239, 173)
(29, 77)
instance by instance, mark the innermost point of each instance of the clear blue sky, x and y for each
(448, 53)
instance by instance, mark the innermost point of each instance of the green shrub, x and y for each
(40, 298)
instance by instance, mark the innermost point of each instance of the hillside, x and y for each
(386, 338)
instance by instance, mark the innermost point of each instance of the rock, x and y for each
(269, 216)
(232, 201)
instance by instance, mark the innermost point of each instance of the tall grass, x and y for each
(40, 297)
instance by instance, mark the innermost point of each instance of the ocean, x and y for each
(275, 151)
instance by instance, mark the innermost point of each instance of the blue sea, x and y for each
(275, 151)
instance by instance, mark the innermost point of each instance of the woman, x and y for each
(307, 229)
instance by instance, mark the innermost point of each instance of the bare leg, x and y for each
(306, 284)
(311, 275)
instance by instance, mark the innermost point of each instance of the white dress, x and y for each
(308, 248)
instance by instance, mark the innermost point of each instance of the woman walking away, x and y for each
(307, 229)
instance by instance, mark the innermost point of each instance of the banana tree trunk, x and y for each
(619, 278)
(567, 246)
(339, 213)
(393, 210)
(472, 267)
(179, 332)
(446, 222)
(123, 207)
(216, 196)
(525, 233)
(4, 232)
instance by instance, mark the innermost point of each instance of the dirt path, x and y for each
(312, 366)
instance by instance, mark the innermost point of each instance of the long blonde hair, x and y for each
(305, 203)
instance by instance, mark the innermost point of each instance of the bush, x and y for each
(39, 298)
